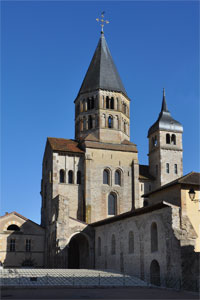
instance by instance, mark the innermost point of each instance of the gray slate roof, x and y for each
(165, 120)
(102, 72)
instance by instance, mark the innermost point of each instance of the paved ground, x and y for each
(67, 277)
(91, 293)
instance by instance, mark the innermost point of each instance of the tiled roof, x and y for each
(132, 213)
(65, 145)
(102, 72)
(192, 178)
(144, 173)
(108, 146)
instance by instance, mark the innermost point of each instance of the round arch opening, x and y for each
(78, 252)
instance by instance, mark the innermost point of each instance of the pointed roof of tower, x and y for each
(165, 120)
(102, 72)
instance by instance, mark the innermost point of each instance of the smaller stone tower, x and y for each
(165, 148)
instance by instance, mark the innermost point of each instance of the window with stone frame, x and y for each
(130, 242)
(173, 139)
(106, 176)
(110, 122)
(167, 138)
(113, 245)
(99, 246)
(154, 237)
(175, 169)
(112, 204)
(78, 178)
(90, 123)
(118, 177)
(62, 176)
(70, 176)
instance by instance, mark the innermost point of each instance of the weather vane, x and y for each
(102, 21)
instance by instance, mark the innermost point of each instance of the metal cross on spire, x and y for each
(102, 21)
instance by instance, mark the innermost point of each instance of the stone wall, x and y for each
(138, 263)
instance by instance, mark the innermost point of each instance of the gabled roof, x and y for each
(165, 120)
(20, 216)
(65, 145)
(102, 72)
(192, 178)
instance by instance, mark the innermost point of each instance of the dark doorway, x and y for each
(78, 253)
(155, 273)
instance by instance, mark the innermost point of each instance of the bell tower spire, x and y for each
(102, 104)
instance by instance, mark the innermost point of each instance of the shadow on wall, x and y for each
(77, 254)
(24, 246)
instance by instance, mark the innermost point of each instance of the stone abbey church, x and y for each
(102, 209)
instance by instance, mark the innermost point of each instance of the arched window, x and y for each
(167, 138)
(106, 177)
(107, 102)
(78, 178)
(99, 246)
(155, 141)
(110, 122)
(112, 103)
(173, 139)
(124, 108)
(70, 176)
(88, 103)
(13, 227)
(113, 245)
(117, 177)
(154, 237)
(131, 242)
(112, 204)
(62, 176)
(90, 122)
(167, 168)
(155, 273)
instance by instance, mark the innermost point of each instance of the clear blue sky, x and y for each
(46, 50)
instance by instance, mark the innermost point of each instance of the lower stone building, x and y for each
(21, 242)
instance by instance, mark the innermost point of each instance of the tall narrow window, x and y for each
(70, 176)
(112, 103)
(112, 204)
(175, 169)
(92, 103)
(155, 141)
(107, 102)
(173, 139)
(106, 177)
(12, 245)
(110, 122)
(113, 245)
(62, 176)
(167, 138)
(117, 177)
(167, 167)
(131, 242)
(90, 122)
(78, 178)
(154, 237)
(28, 245)
(99, 246)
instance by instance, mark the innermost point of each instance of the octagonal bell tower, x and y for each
(102, 104)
